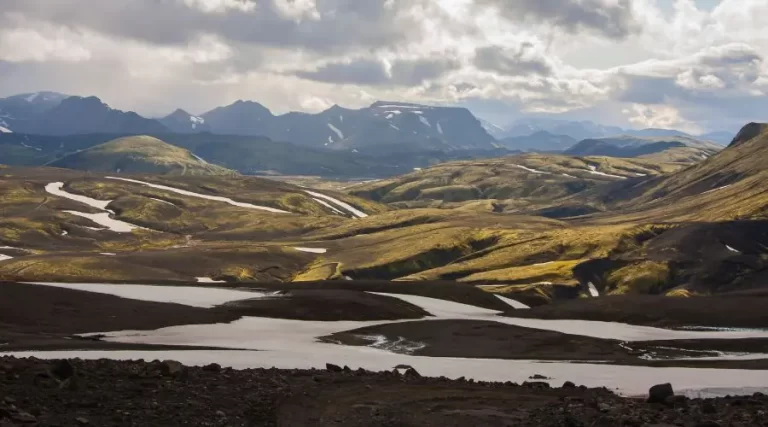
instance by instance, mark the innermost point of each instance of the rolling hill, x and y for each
(539, 141)
(633, 146)
(139, 155)
(511, 182)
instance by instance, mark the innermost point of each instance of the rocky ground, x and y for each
(106, 393)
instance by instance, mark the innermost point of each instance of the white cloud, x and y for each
(658, 116)
(297, 9)
(542, 56)
(44, 43)
(221, 6)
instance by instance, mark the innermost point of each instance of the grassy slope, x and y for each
(510, 180)
(60, 246)
(669, 234)
(139, 154)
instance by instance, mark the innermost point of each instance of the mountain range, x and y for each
(412, 127)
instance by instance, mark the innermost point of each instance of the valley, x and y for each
(616, 272)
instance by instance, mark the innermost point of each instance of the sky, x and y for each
(693, 65)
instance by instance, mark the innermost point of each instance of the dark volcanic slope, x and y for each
(720, 311)
(328, 305)
(488, 340)
(110, 393)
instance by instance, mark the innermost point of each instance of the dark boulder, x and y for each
(660, 392)
(330, 367)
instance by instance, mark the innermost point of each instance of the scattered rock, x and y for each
(213, 367)
(539, 377)
(62, 370)
(604, 407)
(536, 384)
(172, 368)
(660, 392)
(24, 417)
(82, 421)
(330, 367)
(412, 373)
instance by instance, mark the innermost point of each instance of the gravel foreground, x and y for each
(34, 392)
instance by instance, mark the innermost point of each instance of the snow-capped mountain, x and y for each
(383, 123)
(18, 110)
(181, 121)
(494, 130)
(77, 115)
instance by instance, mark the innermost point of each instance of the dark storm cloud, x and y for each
(373, 72)
(342, 25)
(511, 62)
(611, 20)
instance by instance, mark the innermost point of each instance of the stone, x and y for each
(330, 367)
(24, 418)
(171, 368)
(569, 384)
(660, 392)
(604, 407)
(538, 377)
(213, 367)
(82, 421)
(62, 370)
(708, 408)
(412, 373)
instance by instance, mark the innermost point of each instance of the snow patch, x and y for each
(196, 120)
(394, 127)
(336, 130)
(346, 206)
(5, 257)
(328, 205)
(440, 129)
(407, 107)
(108, 254)
(55, 188)
(312, 250)
(593, 170)
(531, 170)
(202, 196)
(515, 304)
(104, 220)
(31, 147)
(199, 158)
(5, 130)
(716, 189)
(162, 201)
(424, 120)
(33, 97)
(208, 280)
(732, 249)
(593, 290)
(568, 176)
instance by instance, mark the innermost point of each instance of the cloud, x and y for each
(221, 6)
(658, 116)
(521, 60)
(550, 57)
(368, 71)
(610, 18)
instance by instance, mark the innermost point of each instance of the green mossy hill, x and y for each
(139, 155)
(538, 178)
